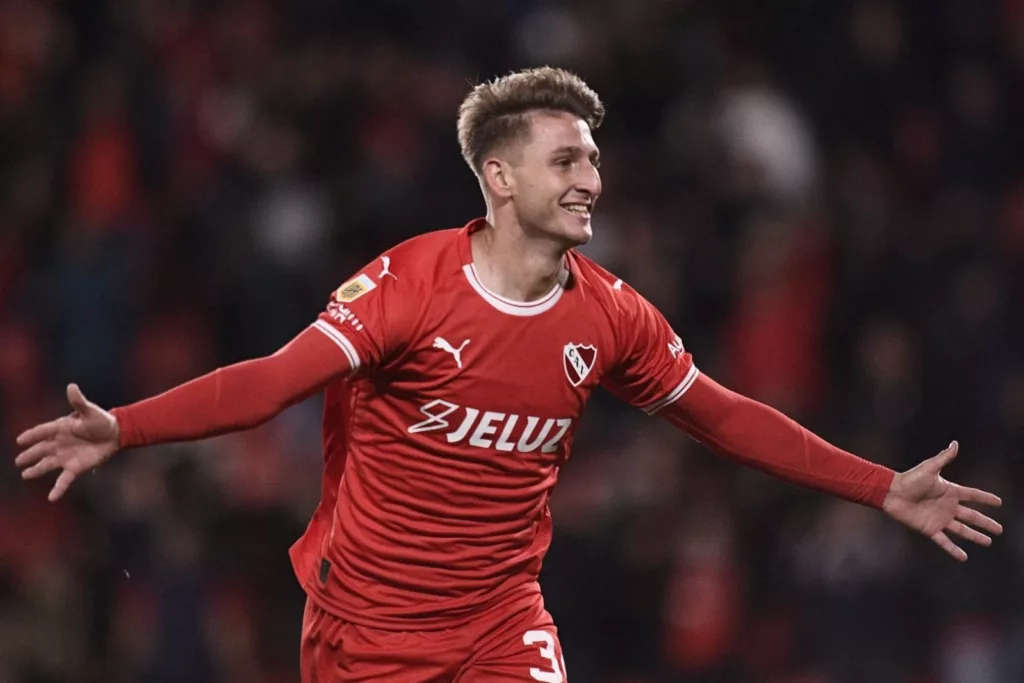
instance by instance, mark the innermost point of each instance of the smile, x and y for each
(581, 210)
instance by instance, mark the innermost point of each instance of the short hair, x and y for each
(497, 113)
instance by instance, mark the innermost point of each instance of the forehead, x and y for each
(552, 130)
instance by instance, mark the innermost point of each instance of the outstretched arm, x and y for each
(235, 397)
(228, 399)
(760, 436)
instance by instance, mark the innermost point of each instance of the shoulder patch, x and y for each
(354, 288)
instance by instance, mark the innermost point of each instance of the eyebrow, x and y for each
(576, 150)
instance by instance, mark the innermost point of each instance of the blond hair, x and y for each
(496, 114)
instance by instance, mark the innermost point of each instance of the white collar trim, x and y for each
(520, 308)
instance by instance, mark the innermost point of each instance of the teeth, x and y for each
(581, 209)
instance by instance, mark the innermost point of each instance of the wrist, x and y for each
(894, 493)
(116, 426)
(121, 428)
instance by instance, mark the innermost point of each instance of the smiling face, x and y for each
(551, 178)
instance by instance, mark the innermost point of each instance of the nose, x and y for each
(589, 181)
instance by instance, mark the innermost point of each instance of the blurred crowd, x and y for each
(826, 199)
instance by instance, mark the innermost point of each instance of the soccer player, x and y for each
(455, 369)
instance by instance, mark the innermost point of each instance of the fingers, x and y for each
(940, 461)
(77, 399)
(968, 534)
(978, 496)
(975, 518)
(48, 430)
(41, 432)
(44, 466)
(62, 484)
(35, 454)
(942, 540)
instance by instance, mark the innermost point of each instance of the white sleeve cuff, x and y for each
(344, 344)
(675, 394)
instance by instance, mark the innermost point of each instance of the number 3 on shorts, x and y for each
(547, 651)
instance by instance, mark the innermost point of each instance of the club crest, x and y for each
(578, 360)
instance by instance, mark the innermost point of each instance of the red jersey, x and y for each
(442, 449)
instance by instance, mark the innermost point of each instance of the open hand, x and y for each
(73, 444)
(933, 506)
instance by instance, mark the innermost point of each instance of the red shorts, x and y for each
(509, 648)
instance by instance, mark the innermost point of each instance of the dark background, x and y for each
(826, 199)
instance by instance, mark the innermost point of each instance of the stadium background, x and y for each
(826, 199)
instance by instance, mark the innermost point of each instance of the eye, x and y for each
(596, 163)
(563, 163)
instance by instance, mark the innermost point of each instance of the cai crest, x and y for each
(578, 360)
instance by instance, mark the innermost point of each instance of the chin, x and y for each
(581, 237)
(577, 233)
(568, 231)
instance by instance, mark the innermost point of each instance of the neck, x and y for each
(513, 265)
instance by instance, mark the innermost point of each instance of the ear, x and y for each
(497, 177)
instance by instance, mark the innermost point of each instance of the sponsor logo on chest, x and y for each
(492, 430)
